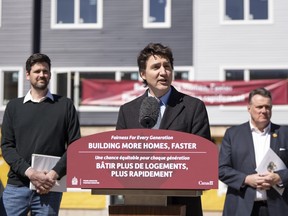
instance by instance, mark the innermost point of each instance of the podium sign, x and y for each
(142, 159)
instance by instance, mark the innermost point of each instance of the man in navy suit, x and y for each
(243, 148)
(179, 112)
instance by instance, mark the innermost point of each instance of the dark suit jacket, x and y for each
(237, 160)
(183, 113)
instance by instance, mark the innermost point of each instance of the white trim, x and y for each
(20, 92)
(246, 20)
(109, 69)
(0, 13)
(1, 89)
(83, 108)
(117, 75)
(21, 80)
(247, 68)
(247, 74)
(92, 69)
(76, 89)
(244, 108)
(76, 24)
(147, 24)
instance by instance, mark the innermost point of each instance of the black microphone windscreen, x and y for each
(149, 112)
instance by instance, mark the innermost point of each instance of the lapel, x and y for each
(273, 138)
(174, 107)
(247, 138)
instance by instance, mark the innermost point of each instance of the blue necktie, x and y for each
(161, 111)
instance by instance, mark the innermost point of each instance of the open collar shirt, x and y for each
(261, 141)
(28, 97)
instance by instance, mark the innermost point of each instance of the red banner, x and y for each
(112, 93)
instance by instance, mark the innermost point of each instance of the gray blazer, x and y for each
(237, 160)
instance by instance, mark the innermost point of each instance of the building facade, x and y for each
(219, 40)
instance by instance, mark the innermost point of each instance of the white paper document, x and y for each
(47, 162)
(270, 163)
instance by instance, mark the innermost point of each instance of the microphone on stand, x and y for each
(149, 112)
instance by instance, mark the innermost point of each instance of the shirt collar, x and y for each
(253, 128)
(28, 97)
(164, 98)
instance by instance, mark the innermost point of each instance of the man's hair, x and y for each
(36, 58)
(153, 49)
(260, 91)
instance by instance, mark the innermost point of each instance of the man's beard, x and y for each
(40, 86)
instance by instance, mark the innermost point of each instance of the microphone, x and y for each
(149, 112)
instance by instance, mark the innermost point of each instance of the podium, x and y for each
(146, 166)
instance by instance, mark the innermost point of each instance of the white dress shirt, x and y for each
(261, 141)
(28, 97)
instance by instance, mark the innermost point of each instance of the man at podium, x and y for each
(172, 110)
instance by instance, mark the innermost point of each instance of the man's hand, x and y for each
(262, 181)
(254, 180)
(42, 180)
(270, 179)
